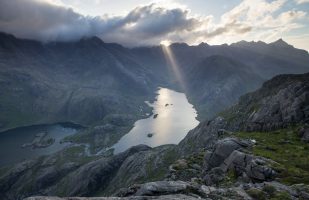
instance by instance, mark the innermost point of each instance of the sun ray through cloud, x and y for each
(170, 58)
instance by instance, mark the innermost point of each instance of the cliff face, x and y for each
(282, 101)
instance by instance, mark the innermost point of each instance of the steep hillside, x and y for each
(81, 81)
(280, 102)
(218, 81)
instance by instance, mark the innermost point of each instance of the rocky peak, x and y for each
(280, 43)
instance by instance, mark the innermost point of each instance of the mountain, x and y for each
(262, 61)
(80, 82)
(219, 159)
(280, 102)
(87, 80)
(219, 81)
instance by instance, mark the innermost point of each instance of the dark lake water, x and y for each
(12, 140)
(176, 116)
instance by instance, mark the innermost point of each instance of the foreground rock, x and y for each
(304, 133)
(56, 175)
(190, 189)
(227, 155)
(163, 197)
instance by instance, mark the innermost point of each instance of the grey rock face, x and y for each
(161, 187)
(282, 101)
(162, 197)
(255, 168)
(97, 174)
(222, 149)
(304, 133)
(214, 176)
(226, 156)
(43, 177)
(203, 136)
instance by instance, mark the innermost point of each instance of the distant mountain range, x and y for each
(87, 80)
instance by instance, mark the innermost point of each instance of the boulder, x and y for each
(162, 187)
(163, 197)
(305, 135)
(254, 167)
(258, 170)
(223, 148)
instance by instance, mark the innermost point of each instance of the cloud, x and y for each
(265, 18)
(49, 20)
(301, 1)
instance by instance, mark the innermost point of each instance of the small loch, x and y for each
(173, 116)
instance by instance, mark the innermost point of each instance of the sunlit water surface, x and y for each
(176, 116)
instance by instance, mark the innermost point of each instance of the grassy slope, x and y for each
(285, 147)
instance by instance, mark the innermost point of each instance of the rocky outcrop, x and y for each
(203, 136)
(227, 156)
(162, 197)
(282, 101)
(96, 174)
(190, 189)
(157, 188)
(57, 175)
(222, 150)
(304, 133)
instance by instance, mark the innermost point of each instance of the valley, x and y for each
(202, 96)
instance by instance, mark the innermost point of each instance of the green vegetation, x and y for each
(189, 167)
(100, 138)
(268, 192)
(281, 196)
(286, 149)
(74, 154)
(229, 179)
(167, 157)
(257, 194)
(269, 189)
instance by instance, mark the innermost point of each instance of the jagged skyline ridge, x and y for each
(151, 23)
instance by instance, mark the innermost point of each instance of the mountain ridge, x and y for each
(63, 70)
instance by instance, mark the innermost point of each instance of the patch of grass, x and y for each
(269, 189)
(197, 158)
(281, 196)
(284, 147)
(154, 172)
(229, 179)
(257, 194)
(74, 154)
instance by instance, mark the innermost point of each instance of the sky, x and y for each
(140, 22)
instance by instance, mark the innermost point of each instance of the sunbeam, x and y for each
(169, 56)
